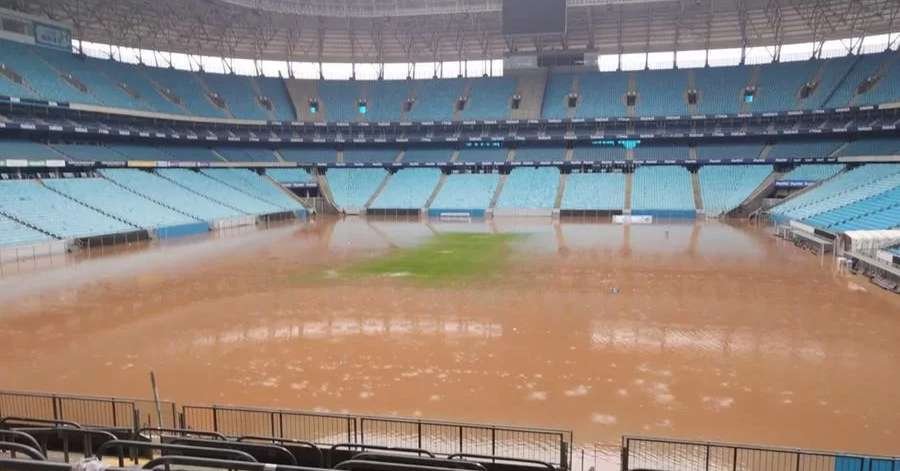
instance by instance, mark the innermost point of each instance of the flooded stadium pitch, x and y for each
(703, 331)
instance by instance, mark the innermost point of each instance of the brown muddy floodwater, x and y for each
(703, 331)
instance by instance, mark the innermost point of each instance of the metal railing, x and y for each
(87, 410)
(668, 454)
(240, 421)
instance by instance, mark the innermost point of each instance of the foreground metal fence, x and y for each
(665, 454)
(88, 410)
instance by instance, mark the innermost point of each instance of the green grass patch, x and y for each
(444, 257)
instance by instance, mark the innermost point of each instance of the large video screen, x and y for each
(534, 16)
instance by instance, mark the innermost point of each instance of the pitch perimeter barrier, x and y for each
(640, 453)
(87, 410)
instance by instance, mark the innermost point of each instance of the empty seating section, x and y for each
(275, 91)
(467, 191)
(113, 200)
(88, 152)
(540, 154)
(558, 88)
(340, 100)
(661, 93)
(531, 188)
(14, 233)
(138, 84)
(309, 156)
(186, 86)
(661, 188)
(38, 206)
(725, 187)
(246, 154)
(881, 211)
(489, 98)
(22, 149)
(601, 94)
(238, 93)
(482, 155)
(192, 154)
(720, 89)
(251, 183)
(436, 99)
(38, 75)
(288, 176)
(140, 152)
(594, 191)
(598, 153)
(729, 151)
(662, 152)
(831, 73)
(813, 172)
(849, 187)
(217, 191)
(352, 188)
(778, 87)
(409, 188)
(428, 155)
(887, 89)
(370, 155)
(167, 193)
(99, 85)
(384, 100)
(872, 146)
(805, 149)
(865, 67)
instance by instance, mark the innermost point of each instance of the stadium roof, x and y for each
(380, 31)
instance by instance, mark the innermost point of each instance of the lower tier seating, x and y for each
(724, 187)
(409, 188)
(352, 188)
(15, 233)
(594, 191)
(251, 183)
(167, 193)
(218, 191)
(532, 188)
(467, 191)
(666, 188)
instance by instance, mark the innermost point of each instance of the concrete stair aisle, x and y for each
(530, 86)
(457, 114)
(576, 89)
(629, 183)
(378, 190)
(698, 196)
(300, 92)
(498, 190)
(765, 151)
(570, 152)
(437, 190)
(754, 79)
(400, 157)
(325, 190)
(754, 201)
(692, 85)
(454, 157)
(632, 87)
(560, 190)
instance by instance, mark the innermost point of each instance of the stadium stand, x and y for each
(540, 154)
(779, 85)
(41, 80)
(601, 94)
(435, 100)
(218, 191)
(849, 187)
(339, 98)
(97, 84)
(864, 66)
(192, 154)
(14, 233)
(274, 90)
(238, 93)
(352, 188)
(651, 151)
(88, 152)
(22, 149)
(881, 211)
(139, 151)
(720, 89)
(384, 100)
(409, 188)
(308, 156)
(113, 200)
(813, 172)
(598, 153)
(427, 155)
(370, 155)
(255, 185)
(133, 79)
(467, 191)
(594, 191)
(482, 155)
(661, 93)
(290, 176)
(488, 98)
(725, 187)
(559, 85)
(804, 149)
(169, 194)
(663, 191)
(246, 154)
(729, 151)
(529, 188)
(36, 205)
(187, 87)
(887, 88)
(872, 146)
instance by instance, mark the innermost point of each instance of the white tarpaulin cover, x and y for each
(869, 242)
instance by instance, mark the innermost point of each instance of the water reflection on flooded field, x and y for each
(702, 331)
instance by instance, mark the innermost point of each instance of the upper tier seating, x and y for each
(813, 172)
(409, 188)
(530, 188)
(246, 154)
(100, 86)
(887, 89)
(251, 183)
(475, 154)
(275, 91)
(652, 151)
(436, 99)
(729, 151)
(113, 200)
(41, 80)
(38, 206)
(188, 88)
(88, 152)
(467, 191)
(831, 72)
(662, 188)
(384, 100)
(288, 176)
(559, 85)
(725, 187)
(851, 186)
(864, 67)
(880, 211)
(428, 155)
(140, 151)
(239, 94)
(720, 89)
(217, 191)
(22, 149)
(489, 98)
(167, 193)
(872, 146)
(779, 85)
(148, 94)
(601, 94)
(308, 156)
(594, 191)
(192, 154)
(662, 93)
(598, 153)
(804, 149)
(370, 155)
(540, 154)
(340, 100)
(352, 187)
(14, 233)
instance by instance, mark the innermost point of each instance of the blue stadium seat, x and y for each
(218, 191)
(594, 191)
(720, 89)
(662, 93)
(352, 188)
(170, 194)
(409, 188)
(530, 188)
(725, 187)
(467, 191)
(15, 233)
(238, 93)
(662, 188)
(251, 183)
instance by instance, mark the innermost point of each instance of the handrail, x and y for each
(350, 446)
(32, 453)
(249, 448)
(406, 459)
(184, 431)
(32, 442)
(196, 462)
(351, 465)
(290, 441)
(26, 421)
(120, 445)
(502, 458)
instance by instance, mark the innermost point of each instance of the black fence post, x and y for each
(419, 433)
(624, 459)
(112, 403)
(215, 419)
